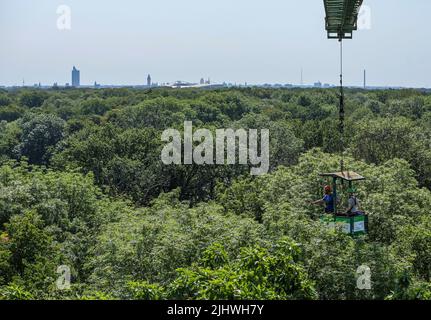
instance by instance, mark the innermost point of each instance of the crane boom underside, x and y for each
(341, 17)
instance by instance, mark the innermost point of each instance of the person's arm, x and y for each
(320, 201)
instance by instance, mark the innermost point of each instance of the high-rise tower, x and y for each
(75, 77)
(149, 81)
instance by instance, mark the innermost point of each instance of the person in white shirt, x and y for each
(353, 203)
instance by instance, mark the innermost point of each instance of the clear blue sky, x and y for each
(120, 42)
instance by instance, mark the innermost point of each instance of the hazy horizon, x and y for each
(245, 41)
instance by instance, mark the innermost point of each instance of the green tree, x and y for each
(258, 273)
(32, 99)
(40, 134)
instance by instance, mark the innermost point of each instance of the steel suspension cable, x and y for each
(341, 111)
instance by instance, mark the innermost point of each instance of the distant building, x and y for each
(202, 81)
(365, 79)
(75, 77)
(183, 84)
(149, 81)
(318, 84)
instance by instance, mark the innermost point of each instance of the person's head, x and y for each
(327, 189)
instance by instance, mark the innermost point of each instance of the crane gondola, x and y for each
(340, 22)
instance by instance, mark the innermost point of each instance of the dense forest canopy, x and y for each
(82, 185)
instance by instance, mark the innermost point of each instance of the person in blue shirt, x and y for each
(327, 200)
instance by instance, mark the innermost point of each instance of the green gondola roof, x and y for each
(341, 17)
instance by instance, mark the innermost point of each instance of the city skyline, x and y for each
(245, 41)
(75, 82)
